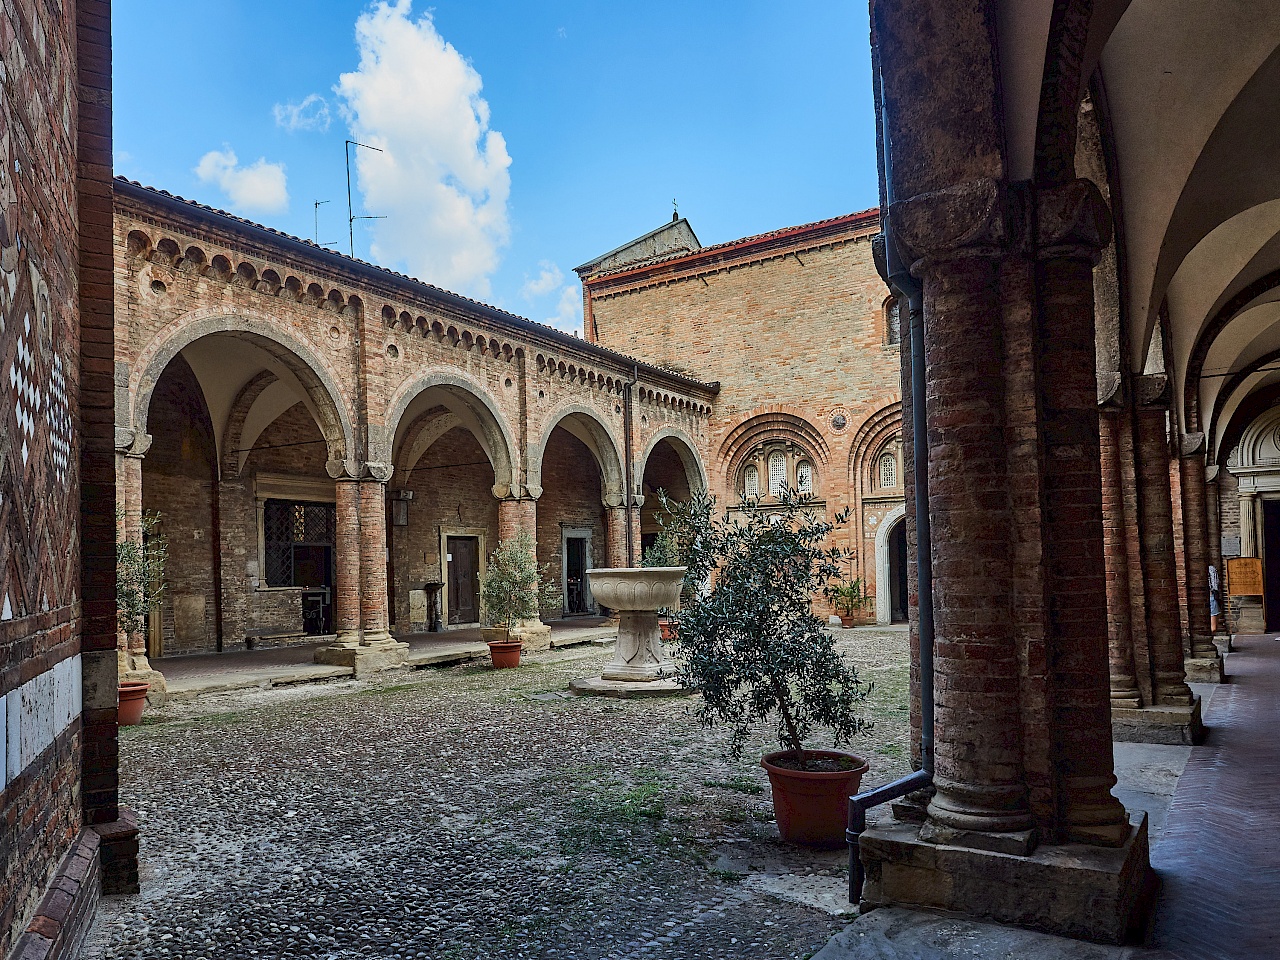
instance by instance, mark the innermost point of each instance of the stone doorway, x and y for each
(575, 553)
(463, 560)
(898, 572)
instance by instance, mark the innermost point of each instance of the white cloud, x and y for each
(442, 179)
(548, 279)
(568, 310)
(260, 187)
(312, 113)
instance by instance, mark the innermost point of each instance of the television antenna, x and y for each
(351, 217)
(327, 243)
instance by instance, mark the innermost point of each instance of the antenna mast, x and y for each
(351, 217)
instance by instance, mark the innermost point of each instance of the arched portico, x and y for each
(685, 448)
(587, 426)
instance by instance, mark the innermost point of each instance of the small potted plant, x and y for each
(140, 585)
(512, 590)
(848, 598)
(664, 552)
(751, 646)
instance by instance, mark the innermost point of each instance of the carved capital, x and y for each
(1151, 390)
(965, 220)
(1211, 473)
(1072, 221)
(343, 469)
(1193, 444)
(1110, 390)
(378, 471)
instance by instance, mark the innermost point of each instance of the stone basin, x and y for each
(637, 588)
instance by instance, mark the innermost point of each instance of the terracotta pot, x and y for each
(505, 653)
(668, 628)
(847, 622)
(813, 808)
(133, 697)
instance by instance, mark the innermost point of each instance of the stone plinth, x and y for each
(1090, 893)
(532, 634)
(1204, 669)
(637, 594)
(1158, 724)
(625, 689)
(366, 658)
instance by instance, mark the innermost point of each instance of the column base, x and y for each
(118, 850)
(365, 659)
(660, 670)
(1103, 894)
(1204, 669)
(1159, 724)
(532, 634)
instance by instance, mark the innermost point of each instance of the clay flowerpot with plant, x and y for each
(513, 589)
(664, 552)
(750, 644)
(849, 600)
(140, 587)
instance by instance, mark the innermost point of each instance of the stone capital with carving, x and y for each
(1110, 390)
(1151, 390)
(1072, 221)
(1193, 444)
(966, 220)
(343, 469)
(378, 471)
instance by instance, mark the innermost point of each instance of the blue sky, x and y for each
(520, 139)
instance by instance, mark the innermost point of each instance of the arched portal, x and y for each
(577, 473)
(241, 438)
(891, 568)
(671, 465)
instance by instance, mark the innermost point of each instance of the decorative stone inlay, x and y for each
(637, 594)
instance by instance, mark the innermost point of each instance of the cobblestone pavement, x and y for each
(471, 813)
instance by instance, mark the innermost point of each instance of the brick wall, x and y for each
(571, 498)
(793, 328)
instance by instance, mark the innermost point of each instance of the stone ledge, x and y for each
(365, 659)
(1159, 724)
(1102, 894)
(599, 687)
(1204, 670)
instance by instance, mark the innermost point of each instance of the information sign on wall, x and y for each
(1244, 577)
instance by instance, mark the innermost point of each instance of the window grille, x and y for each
(804, 478)
(751, 482)
(888, 471)
(777, 473)
(285, 524)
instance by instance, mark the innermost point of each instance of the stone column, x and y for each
(981, 798)
(373, 563)
(346, 600)
(1159, 567)
(1124, 683)
(1072, 228)
(1204, 664)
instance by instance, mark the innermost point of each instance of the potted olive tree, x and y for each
(512, 590)
(140, 567)
(664, 552)
(849, 598)
(751, 646)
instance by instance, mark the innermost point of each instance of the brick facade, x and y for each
(793, 326)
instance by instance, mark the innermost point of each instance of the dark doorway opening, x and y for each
(299, 553)
(898, 572)
(464, 579)
(575, 576)
(1271, 561)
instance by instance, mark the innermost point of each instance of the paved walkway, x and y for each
(1219, 856)
(199, 674)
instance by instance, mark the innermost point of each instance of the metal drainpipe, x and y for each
(626, 442)
(898, 274)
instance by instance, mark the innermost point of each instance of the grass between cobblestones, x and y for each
(467, 812)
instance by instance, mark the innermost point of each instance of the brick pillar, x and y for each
(1072, 535)
(1143, 670)
(515, 516)
(373, 562)
(347, 548)
(616, 525)
(1159, 569)
(1115, 529)
(1195, 530)
(979, 776)
(1214, 519)
(129, 498)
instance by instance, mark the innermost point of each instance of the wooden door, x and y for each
(464, 579)
(576, 575)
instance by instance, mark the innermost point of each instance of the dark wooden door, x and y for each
(575, 574)
(898, 572)
(1271, 561)
(464, 579)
